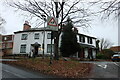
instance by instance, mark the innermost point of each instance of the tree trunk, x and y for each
(56, 46)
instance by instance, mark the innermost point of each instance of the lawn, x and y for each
(61, 68)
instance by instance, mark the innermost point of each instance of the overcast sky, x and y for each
(107, 29)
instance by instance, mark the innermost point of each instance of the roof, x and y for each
(8, 35)
(87, 35)
(115, 48)
(47, 29)
(35, 29)
(86, 45)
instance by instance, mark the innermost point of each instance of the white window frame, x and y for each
(24, 36)
(48, 35)
(36, 36)
(49, 48)
(23, 46)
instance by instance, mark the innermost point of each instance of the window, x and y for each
(89, 40)
(49, 48)
(49, 36)
(23, 48)
(24, 37)
(82, 39)
(3, 45)
(5, 38)
(36, 36)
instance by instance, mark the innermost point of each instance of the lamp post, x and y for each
(52, 37)
(44, 18)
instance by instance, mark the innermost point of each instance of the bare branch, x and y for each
(104, 44)
(70, 9)
(108, 8)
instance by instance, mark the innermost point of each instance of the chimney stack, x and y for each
(26, 25)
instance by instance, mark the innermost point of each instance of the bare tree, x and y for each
(108, 8)
(60, 10)
(104, 44)
(2, 22)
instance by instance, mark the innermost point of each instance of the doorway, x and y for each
(34, 49)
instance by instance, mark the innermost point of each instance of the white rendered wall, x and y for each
(30, 40)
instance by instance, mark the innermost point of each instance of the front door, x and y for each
(36, 50)
(82, 53)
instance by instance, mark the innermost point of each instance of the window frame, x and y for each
(82, 39)
(49, 51)
(38, 36)
(22, 38)
(89, 40)
(48, 35)
(23, 46)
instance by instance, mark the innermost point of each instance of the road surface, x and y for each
(104, 69)
(15, 73)
(110, 70)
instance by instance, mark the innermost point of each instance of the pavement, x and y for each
(8, 60)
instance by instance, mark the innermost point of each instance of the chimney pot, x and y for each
(26, 25)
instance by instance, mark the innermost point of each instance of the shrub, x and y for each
(100, 56)
(105, 54)
(108, 53)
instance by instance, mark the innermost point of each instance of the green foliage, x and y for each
(108, 53)
(105, 54)
(100, 56)
(69, 40)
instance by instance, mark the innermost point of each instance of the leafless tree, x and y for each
(61, 10)
(104, 44)
(2, 22)
(108, 8)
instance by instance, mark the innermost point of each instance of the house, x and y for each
(1, 45)
(115, 49)
(88, 46)
(25, 42)
(6, 44)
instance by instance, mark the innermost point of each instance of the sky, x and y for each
(107, 29)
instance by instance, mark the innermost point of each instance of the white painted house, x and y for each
(24, 42)
(88, 46)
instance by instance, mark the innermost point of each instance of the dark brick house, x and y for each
(7, 44)
(115, 49)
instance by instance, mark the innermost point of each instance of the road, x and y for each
(105, 69)
(99, 70)
(11, 72)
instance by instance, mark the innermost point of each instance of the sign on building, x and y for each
(52, 23)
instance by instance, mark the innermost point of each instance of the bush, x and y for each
(105, 54)
(108, 53)
(100, 56)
